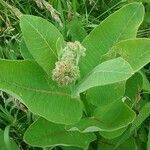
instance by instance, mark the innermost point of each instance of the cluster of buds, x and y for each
(54, 13)
(66, 69)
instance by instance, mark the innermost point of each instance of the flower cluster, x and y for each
(66, 70)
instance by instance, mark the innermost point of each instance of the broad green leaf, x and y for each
(121, 25)
(3, 145)
(71, 148)
(43, 133)
(109, 72)
(112, 134)
(130, 144)
(24, 50)
(135, 51)
(143, 114)
(31, 85)
(133, 88)
(108, 118)
(115, 115)
(42, 39)
(106, 94)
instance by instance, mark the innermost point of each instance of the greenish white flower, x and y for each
(66, 69)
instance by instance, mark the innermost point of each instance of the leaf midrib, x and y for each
(36, 90)
(116, 72)
(121, 33)
(41, 36)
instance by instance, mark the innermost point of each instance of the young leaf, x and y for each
(43, 133)
(121, 25)
(108, 118)
(30, 83)
(135, 51)
(42, 39)
(109, 72)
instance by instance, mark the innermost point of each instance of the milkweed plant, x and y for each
(83, 93)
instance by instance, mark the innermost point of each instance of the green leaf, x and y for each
(135, 51)
(109, 72)
(133, 88)
(31, 85)
(71, 148)
(42, 39)
(130, 144)
(115, 115)
(3, 145)
(103, 95)
(24, 50)
(121, 25)
(112, 134)
(43, 133)
(143, 114)
(108, 118)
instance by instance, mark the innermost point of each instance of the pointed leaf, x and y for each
(32, 86)
(135, 51)
(42, 39)
(43, 133)
(121, 25)
(109, 72)
(108, 118)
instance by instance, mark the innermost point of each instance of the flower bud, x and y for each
(66, 70)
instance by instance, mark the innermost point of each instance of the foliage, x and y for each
(106, 107)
